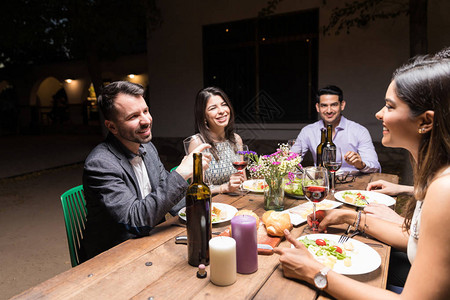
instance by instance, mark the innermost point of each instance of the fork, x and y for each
(345, 237)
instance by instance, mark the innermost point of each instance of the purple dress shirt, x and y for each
(350, 136)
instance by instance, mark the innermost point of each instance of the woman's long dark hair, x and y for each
(424, 84)
(200, 117)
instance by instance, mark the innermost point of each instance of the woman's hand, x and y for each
(389, 188)
(297, 262)
(326, 218)
(235, 182)
(383, 212)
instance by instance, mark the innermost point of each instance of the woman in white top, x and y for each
(214, 120)
(416, 117)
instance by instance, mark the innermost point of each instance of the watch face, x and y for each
(320, 281)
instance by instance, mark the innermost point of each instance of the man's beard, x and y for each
(136, 138)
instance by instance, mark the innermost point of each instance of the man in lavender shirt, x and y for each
(352, 138)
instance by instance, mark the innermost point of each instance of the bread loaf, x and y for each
(276, 222)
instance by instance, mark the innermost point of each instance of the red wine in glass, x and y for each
(240, 165)
(315, 193)
(333, 166)
(315, 188)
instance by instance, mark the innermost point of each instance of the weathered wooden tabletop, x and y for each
(155, 266)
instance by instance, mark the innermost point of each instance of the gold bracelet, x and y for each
(365, 223)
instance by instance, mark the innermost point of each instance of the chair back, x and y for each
(75, 212)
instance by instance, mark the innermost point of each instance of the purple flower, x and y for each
(247, 152)
(276, 163)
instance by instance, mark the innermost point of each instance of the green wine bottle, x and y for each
(319, 152)
(198, 216)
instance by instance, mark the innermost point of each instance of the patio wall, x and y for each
(361, 62)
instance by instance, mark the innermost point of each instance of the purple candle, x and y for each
(243, 230)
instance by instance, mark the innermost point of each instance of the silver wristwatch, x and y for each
(320, 279)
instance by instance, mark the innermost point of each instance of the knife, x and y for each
(182, 239)
(265, 247)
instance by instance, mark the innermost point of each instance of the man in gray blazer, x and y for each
(127, 189)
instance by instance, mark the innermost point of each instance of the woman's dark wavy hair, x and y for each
(424, 84)
(200, 117)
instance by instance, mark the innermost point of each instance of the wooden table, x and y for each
(154, 267)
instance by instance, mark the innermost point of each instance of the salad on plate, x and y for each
(356, 198)
(294, 187)
(350, 258)
(328, 252)
(255, 185)
(362, 198)
(220, 212)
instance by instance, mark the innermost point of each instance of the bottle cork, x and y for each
(201, 273)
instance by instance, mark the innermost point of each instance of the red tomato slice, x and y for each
(320, 242)
(338, 249)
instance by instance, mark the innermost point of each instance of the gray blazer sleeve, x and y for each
(110, 182)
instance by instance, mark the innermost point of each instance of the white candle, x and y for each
(222, 260)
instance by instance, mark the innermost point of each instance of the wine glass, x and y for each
(240, 161)
(315, 189)
(190, 143)
(297, 149)
(291, 143)
(332, 160)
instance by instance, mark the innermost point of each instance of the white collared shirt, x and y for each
(350, 136)
(142, 176)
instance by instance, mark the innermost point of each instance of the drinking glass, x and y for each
(240, 161)
(332, 160)
(190, 143)
(315, 189)
(291, 143)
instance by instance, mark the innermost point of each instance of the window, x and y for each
(268, 66)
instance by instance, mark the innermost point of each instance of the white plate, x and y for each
(364, 258)
(225, 208)
(371, 197)
(253, 185)
(300, 212)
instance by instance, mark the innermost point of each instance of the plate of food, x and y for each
(294, 188)
(361, 198)
(220, 213)
(299, 213)
(255, 185)
(350, 258)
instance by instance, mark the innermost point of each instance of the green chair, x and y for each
(74, 208)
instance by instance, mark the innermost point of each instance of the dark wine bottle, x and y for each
(319, 162)
(198, 216)
(331, 147)
(329, 143)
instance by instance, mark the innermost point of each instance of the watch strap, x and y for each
(325, 271)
